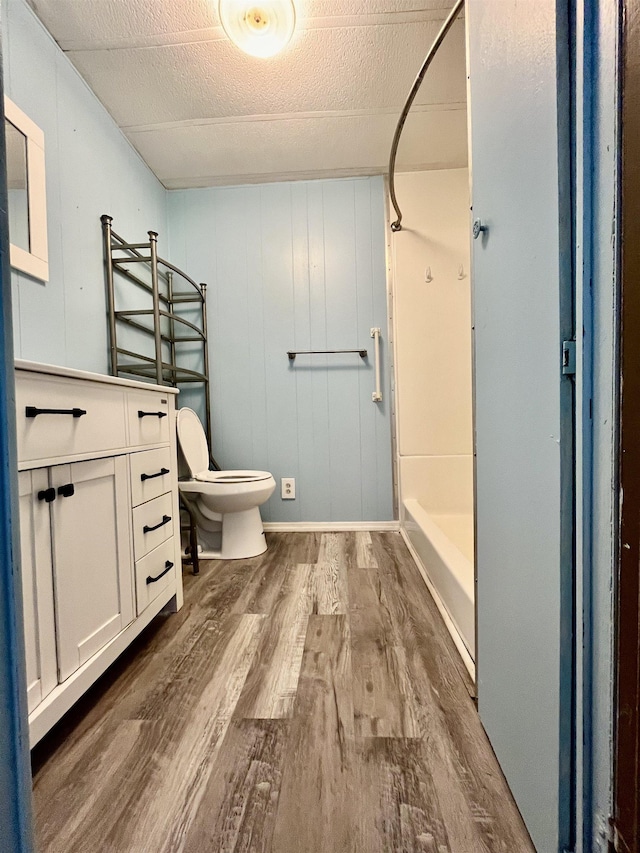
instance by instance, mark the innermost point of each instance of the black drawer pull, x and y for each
(165, 520)
(47, 495)
(160, 473)
(32, 412)
(142, 414)
(67, 491)
(167, 568)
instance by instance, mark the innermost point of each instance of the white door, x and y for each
(519, 114)
(37, 586)
(93, 567)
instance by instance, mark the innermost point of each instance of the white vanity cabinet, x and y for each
(37, 587)
(98, 499)
(91, 563)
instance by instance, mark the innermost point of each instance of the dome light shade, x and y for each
(258, 27)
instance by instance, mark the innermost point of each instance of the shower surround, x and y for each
(432, 318)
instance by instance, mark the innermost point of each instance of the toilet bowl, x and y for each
(225, 504)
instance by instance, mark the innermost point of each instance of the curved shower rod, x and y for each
(453, 14)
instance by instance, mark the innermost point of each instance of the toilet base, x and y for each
(242, 537)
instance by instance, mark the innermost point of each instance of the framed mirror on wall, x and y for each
(26, 193)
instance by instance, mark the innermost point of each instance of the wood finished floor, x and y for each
(308, 700)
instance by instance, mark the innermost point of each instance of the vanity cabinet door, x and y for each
(37, 587)
(93, 568)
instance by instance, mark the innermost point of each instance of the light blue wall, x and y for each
(295, 266)
(520, 159)
(91, 169)
(290, 265)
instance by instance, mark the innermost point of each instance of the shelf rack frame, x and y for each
(121, 258)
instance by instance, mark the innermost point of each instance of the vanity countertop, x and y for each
(73, 373)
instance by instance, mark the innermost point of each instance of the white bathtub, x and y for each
(444, 544)
(437, 519)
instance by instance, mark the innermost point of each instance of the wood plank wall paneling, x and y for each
(295, 266)
(91, 169)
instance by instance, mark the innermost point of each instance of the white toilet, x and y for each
(224, 503)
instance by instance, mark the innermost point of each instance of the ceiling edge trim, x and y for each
(294, 116)
(205, 182)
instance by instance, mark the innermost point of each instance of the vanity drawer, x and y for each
(152, 524)
(151, 474)
(148, 417)
(154, 573)
(63, 417)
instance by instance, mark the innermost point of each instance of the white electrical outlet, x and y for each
(288, 488)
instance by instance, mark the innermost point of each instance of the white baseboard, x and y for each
(328, 526)
(448, 621)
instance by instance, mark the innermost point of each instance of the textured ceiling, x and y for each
(201, 112)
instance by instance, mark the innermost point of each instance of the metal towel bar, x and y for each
(292, 354)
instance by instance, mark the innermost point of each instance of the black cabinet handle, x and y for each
(160, 473)
(165, 520)
(33, 412)
(47, 495)
(67, 491)
(142, 414)
(167, 568)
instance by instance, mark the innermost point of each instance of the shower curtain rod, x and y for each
(397, 225)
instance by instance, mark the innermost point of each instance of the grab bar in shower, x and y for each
(292, 354)
(377, 394)
(397, 225)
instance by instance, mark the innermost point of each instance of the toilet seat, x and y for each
(193, 441)
(232, 478)
(225, 504)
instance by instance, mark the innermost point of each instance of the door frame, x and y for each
(15, 766)
(627, 650)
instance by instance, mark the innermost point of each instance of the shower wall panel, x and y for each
(433, 332)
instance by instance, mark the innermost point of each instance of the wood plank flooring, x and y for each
(309, 700)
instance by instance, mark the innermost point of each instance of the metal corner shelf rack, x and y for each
(163, 311)
(157, 319)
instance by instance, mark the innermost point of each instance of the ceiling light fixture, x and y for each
(261, 28)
